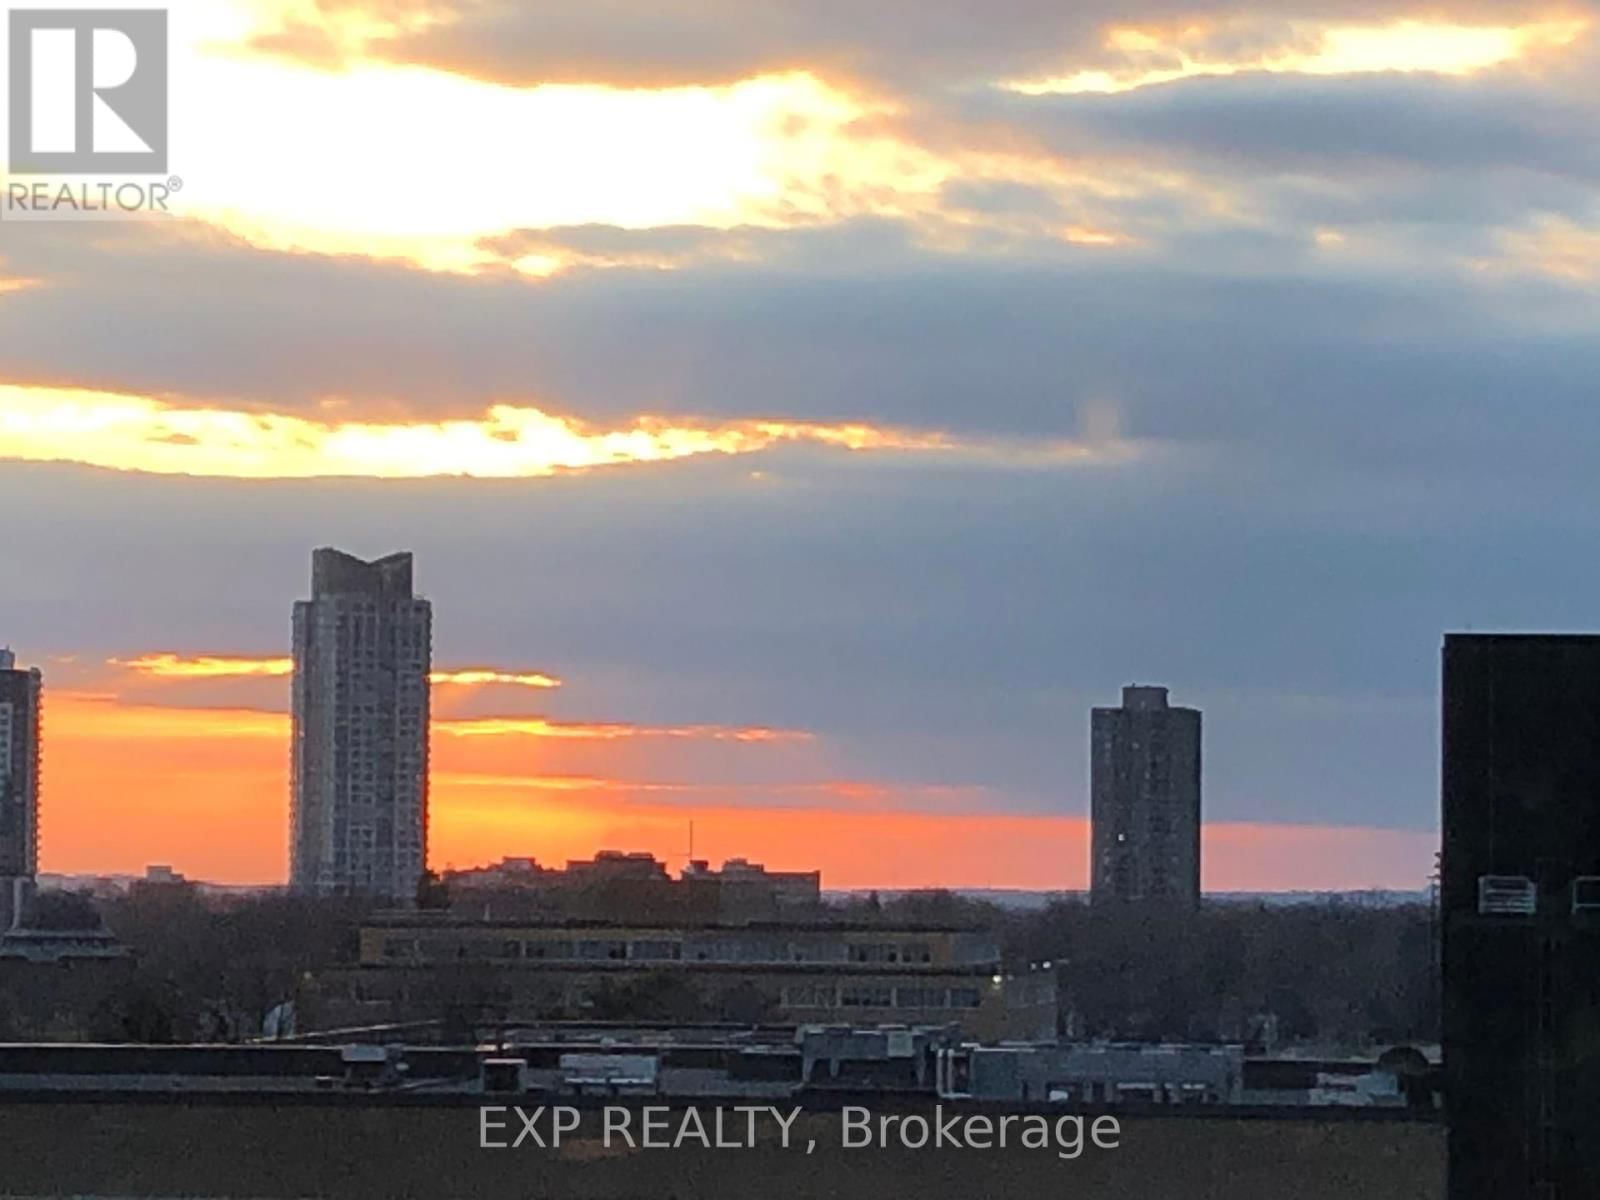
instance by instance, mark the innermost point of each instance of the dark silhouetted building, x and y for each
(619, 886)
(749, 889)
(20, 699)
(1520, 908)
(1145, 800)
(362, 651)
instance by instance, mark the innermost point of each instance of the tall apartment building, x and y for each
(20, 697)
(362, 652)
(1520, 914)
(1145, 800)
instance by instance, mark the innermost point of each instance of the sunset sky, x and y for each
(803, 411)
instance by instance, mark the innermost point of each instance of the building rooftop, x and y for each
(403, 918)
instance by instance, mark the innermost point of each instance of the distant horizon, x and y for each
(675, 861)
(859, 890)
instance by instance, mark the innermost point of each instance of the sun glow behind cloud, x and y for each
(363, 156)
(358, 155)
(495, 158)
(135, 433)
(1154, 57)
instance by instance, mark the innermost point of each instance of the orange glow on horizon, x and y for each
(207, 791)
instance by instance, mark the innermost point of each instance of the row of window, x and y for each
(891, 952)
(804, 996)
(744, 950)
(872, 995)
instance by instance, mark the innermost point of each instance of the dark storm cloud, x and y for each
(1435, 211)
(1323, 124)
(1273, 351)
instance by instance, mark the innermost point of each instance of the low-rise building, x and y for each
(1094, 1073)
(54, 979)
(414, 964)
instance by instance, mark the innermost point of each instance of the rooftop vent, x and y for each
(1506, 896)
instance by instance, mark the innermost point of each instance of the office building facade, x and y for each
(1520, 915)
(21, 696)
(359, 804)
(1145, 801)
(800, 972)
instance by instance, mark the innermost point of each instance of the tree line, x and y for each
(1336, 974)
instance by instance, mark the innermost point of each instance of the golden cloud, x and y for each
(204, 666)
(136, 433)
(474, 676)
(219, 666)
(1155, 56)
(613, 731)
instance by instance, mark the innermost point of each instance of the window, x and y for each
(1506, 895)
(965, 997)
(874, 952)
(819, 951)
(656, 951)
(1586, 893)
(398, 947)
(808, 995)
(548, 950)
(863, 995)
